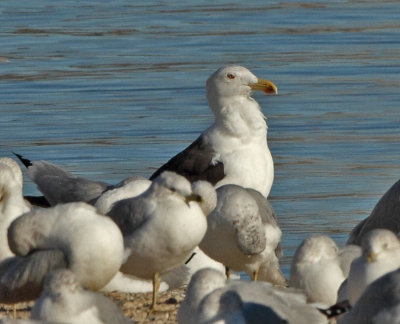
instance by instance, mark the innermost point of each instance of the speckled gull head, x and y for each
(233, 81)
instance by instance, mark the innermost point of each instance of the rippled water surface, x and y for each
(111, 89)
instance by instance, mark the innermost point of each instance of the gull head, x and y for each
(207, 195)
(316, 248)
(377, 242)
(234, 80)
(174, 185)
(16, 170)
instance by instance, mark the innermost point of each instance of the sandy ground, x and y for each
(135, 306)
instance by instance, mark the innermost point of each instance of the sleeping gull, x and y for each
(72, 236)
(161, 228)
(234, 149)
(386, 214)
(12, 202)
(380, 255)
(64, 300)
(316, 269)
(243, 234)
(210, 298)
(379, 303)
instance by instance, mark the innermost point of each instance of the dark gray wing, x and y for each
(129, 214)
(384, 215)
(22, 277)
(195, 163)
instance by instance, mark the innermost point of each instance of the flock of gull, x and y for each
(203, 219)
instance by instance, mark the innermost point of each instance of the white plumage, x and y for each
(316, 269)
(12, 202)
(72, 236)
(380, 255)
(161, 227)
(234, 149)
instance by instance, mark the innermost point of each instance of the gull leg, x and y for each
(255, 275)
(156, 287)
(227, 272)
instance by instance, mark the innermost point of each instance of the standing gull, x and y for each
(64, 300)
(161, 228)
(234, 149)
(243, 234)
(72, 236)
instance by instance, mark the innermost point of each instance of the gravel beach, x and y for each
(135, 306)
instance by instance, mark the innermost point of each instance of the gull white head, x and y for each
(316, 247)
(16, 170)
(376, 242)
(171, 184)
(233, 80)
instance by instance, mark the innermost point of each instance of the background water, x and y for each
(112, 89)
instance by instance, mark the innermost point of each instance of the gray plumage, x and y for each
(386, 214)
(129, 214)
(22, 277)
(243, 233)
(210, 297)
(70, 236)
(378, 300)
(59, 186)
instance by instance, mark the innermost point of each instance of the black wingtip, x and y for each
(337, 309)
(24, 161)
(190, 258)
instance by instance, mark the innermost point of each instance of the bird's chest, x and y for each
(246, 164)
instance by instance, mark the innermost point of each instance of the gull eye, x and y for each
(230, 76)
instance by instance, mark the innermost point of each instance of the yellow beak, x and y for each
(371, 257)
(192, 197)
(264, 85)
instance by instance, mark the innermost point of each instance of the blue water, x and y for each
(112, 89)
